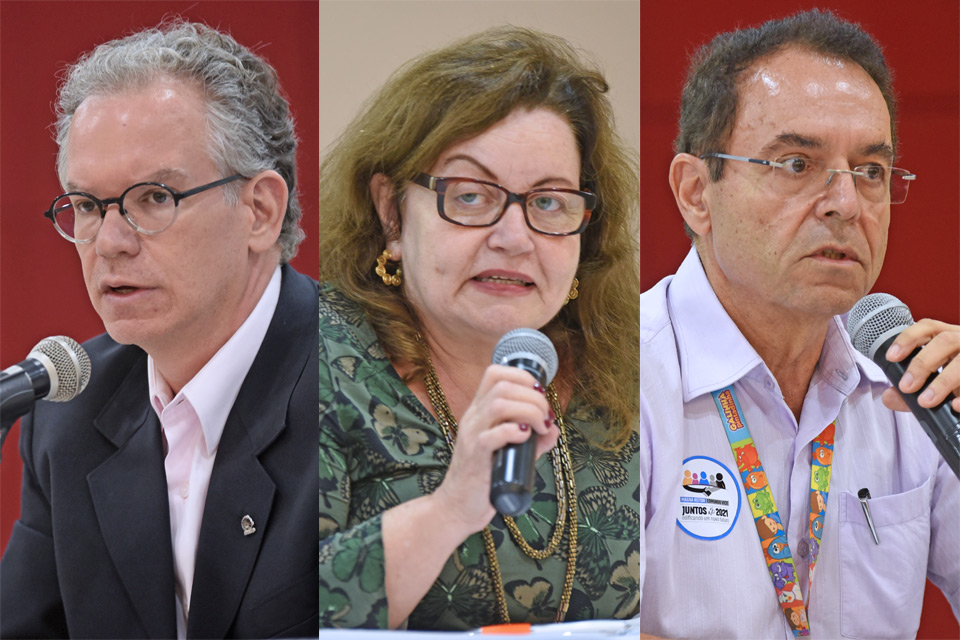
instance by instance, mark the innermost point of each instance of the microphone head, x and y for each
(531, 344)
(67, 363)
(874, 320)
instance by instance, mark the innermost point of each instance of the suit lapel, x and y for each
(129, 492)
(240, 485)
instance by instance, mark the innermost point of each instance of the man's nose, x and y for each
(842, 195)
(115, 235)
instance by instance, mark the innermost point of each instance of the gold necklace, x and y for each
(566, 497)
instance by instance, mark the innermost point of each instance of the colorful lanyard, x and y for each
(773, 538)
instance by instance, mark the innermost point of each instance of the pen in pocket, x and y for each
(864, 495)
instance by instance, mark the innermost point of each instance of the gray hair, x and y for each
(249, 126)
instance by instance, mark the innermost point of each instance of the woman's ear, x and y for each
(688, 179)
(385, 202)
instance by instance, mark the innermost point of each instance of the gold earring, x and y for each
(381, 270)
(573, 292)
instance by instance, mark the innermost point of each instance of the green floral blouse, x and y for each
(379, 447)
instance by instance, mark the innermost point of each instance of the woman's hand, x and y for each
(506, 409)
(419, 535)
(941, 346)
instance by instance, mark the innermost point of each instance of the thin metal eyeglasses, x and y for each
(477, 203)
(148, 207)
(800, 175)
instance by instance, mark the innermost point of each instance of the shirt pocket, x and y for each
(881, 585)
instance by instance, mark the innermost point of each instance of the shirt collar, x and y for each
(213, 390)
(869, 370)
(714, 354)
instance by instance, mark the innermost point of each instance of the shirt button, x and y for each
(184, 492)
(804, 548)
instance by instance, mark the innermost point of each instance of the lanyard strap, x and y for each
(773, 538)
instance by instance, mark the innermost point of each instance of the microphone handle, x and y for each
(511, 489)
(514, 466)
(940, 422)
(18, 393)
(20, 386)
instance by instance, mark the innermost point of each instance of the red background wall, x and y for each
(41, 286)
(41, 289)
(920, 41)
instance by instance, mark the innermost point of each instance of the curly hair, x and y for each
(458, 92)
(711, 94)
(249, 125)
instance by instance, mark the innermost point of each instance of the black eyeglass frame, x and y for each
(102, 204)
(439, 185)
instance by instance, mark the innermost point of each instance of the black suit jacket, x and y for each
(91, 554)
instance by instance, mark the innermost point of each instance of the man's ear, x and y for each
(688, 179)
(266, 195)
(385, 202)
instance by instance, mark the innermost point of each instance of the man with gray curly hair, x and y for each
(177, 495)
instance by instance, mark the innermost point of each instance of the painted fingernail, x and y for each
(906, 382)
(538, 387)
(549, 424)
(926, 396)
(524, 427)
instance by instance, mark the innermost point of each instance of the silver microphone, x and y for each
(511, 485)
(873, 324)
(56, 369)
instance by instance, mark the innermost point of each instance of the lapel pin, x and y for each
(246, 523)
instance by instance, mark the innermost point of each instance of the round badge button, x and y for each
(710, 498)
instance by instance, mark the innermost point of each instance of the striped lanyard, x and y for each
(773, 538)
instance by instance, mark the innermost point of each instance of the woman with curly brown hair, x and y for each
(481, 190)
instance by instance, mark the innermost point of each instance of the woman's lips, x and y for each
(504, 280)
(503, 283)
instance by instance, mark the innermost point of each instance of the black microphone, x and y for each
(873, 324)
(57, 369)
(511, 486)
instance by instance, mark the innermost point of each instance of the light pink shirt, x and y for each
(196, 417)
(720, 588)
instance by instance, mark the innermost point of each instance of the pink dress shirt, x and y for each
(192, 423)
